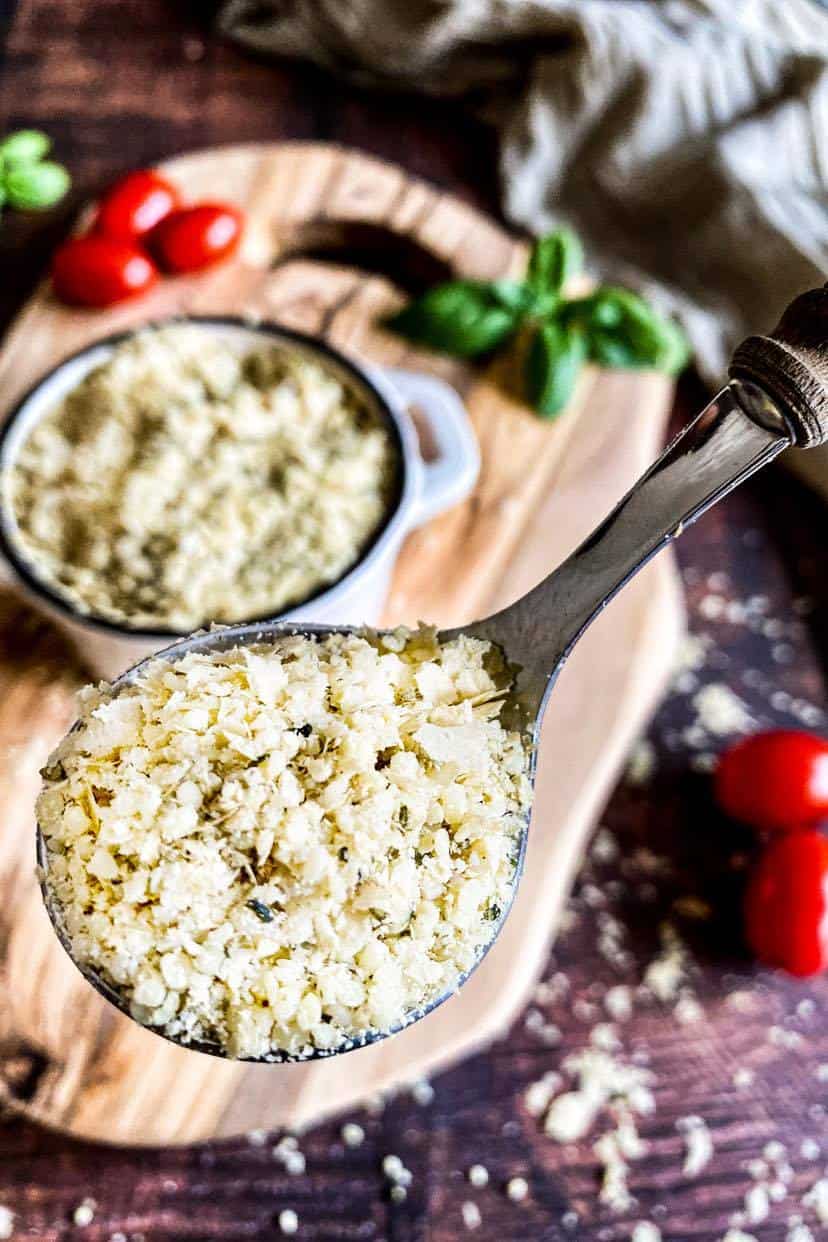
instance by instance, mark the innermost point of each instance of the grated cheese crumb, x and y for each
(422, 1092)
(517, 1188)
(644, 1231)
(720, 711)
(743, 1078)
(6, 1222)
(688, 1010)
(471, 1215)
(666, 973)
(478, 1176)
(392, 1167)
(641, 764)
(810, 1149)
(757, 1205)
(288, 1221)
(538, 1094)
(600, 1078)
(817, 1200)
(398, 1193)
(698, 1144)
(352, 1134)
(84, 1213)
(614, 1191)
(618, 1002)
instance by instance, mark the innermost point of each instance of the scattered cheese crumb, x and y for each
(6, 1222)
(600, 1078)
(688, 1010)
(666, 973)
(614, 1192)
(605, 846)
(352, 1134)
(538, 1094)
(517, 1188)
(799, 1233)
(698, 1144)
(810, 1149)
(478, 1175)
(817, 1199)
(618, 1002)
(642, 763)
(471, 1214)
(603, 1035)
(392, 1167)
(784, 1038)
(398, 1193)
(422, 1092)
(757, 1205)
(645, 1232)
(257, 1138)
(84, 1213)
(736, 1235)
(288, 1221)
(743, 1078)
(721, 712)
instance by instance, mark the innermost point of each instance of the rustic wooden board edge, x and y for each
(85, 1099)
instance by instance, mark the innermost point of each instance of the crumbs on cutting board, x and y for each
(600, 1087)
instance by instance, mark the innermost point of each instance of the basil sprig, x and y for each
(28, 181)
(611, 326)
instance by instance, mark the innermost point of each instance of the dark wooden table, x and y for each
(120, 83)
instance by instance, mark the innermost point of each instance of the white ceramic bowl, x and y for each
(424, 488)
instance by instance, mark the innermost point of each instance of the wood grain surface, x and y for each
(530, 506)
(121, 83)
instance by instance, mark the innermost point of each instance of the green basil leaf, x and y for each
(463, 318)
(553, 361)
(554, 260)
(515, 295)
(625, 331)
(26, 146)
(34, 186)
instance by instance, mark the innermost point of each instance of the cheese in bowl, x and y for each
(186, 480)
(278, 849)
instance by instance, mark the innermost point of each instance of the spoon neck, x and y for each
(738, 432)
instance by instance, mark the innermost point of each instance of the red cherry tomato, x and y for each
(135, 204)
(775, 780)
(99, 271)
(786, 903)
(196, 237)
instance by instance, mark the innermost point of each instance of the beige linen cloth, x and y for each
(686, 140)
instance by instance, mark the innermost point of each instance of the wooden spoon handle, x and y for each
(791, 366)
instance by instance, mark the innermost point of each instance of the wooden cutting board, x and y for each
(334, 239)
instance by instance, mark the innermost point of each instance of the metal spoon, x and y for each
(777, 397)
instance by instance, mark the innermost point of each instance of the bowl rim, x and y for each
(394, 418)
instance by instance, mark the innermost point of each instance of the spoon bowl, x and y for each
(778, 397)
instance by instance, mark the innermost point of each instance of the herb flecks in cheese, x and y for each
(183, 482)
(361, 788)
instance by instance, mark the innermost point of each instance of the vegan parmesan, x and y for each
(185, 481)
(282, 848)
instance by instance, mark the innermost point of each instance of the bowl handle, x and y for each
(451, 474)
